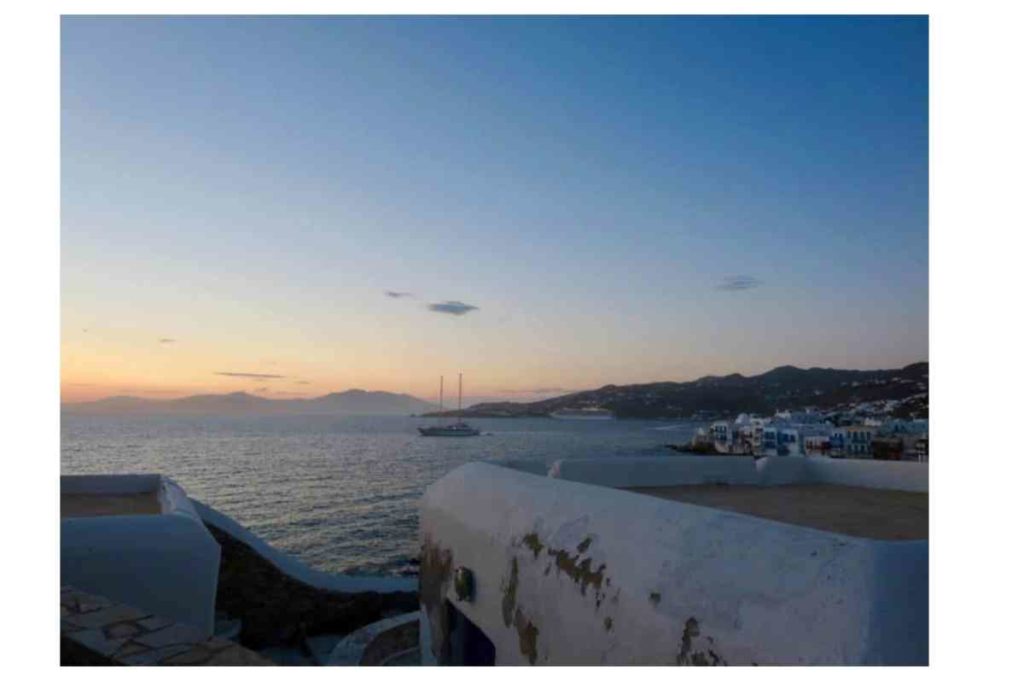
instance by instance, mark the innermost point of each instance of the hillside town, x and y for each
(858, 433)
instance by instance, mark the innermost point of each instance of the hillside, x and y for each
(781, 388)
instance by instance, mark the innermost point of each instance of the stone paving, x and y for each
(96, 631)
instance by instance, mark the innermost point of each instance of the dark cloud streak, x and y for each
(738, 283)
(452, 308)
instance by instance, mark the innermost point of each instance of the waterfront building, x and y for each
(816, 444)
(722, 434)
(921, 449)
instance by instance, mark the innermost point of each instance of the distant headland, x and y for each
(904, 391)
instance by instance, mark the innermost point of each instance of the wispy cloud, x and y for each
(738, 283)
(249, 375)
(397, 295)
(453, 308)
(302, 381)
(167, 340)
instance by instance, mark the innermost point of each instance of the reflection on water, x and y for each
(340, 493)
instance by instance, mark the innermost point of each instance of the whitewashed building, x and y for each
(646, 561)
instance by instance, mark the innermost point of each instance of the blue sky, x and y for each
(251, 186)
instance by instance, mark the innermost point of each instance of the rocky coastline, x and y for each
(278, 610)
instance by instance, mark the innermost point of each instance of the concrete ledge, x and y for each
(538, 467)
(875, 474)
(379, 643)
(166, 563)
(110, 483)
(683, 470)
(657, 470)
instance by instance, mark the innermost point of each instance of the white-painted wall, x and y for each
(758, 591)
(878, 474)
(647, 471)
(657, 470)
(167, 563)
(532, 466)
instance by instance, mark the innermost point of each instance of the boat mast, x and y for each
(460, 394)
(440, 402)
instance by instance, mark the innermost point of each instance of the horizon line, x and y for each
(431, 399)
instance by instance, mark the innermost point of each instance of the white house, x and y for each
(634, 562)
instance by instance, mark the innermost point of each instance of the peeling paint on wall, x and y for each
(579, 572)
(527, 636)
(532, 542)
(689, 655)
(509, 587)
(512, 614)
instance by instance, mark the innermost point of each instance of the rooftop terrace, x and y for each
(101, 505)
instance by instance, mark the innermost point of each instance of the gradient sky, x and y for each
(623, 200)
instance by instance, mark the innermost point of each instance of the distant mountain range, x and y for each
(786, 387)
(353, 401)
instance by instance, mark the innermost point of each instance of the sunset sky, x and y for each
(294, 206)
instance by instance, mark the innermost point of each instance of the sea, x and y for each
(341, 493)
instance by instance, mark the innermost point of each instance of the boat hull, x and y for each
(444, 431)
(577, 416)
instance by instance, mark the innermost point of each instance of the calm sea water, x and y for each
(341, 493)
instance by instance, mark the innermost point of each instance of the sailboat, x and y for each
(459, 428)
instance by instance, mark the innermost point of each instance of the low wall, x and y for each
(876, 474)
(532, 466)
(379, 643)
(110, 483)
(657, 470)
(782, 471)
(280, 601)
(570, 573)
(640, 472)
